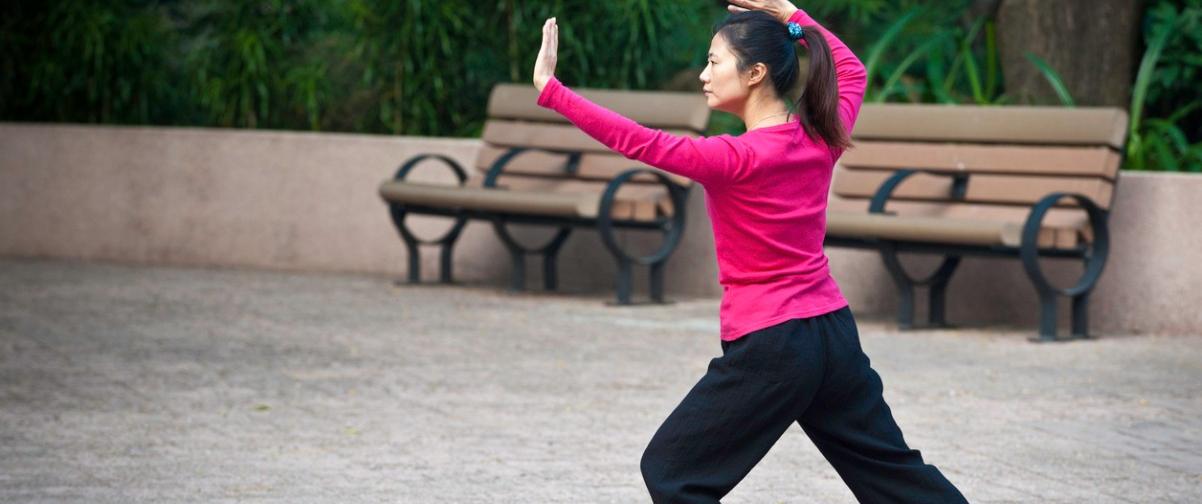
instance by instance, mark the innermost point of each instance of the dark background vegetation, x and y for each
(414, 67)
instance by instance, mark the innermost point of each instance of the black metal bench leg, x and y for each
(415, 262)
(937, 314)
(551, 259)
(905, 307)
(446, 274)
(657, 281)
(938, 302)
(905, 288)
(517, 281)
(550, 272)
(1081, 315)
(1047, 316)
(411, 241)
(624, 280)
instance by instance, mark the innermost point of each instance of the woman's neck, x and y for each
(762, 111)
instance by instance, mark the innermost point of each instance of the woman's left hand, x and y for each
(544, 66)
(779, 9)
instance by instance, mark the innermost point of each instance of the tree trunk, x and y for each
(1090, 43)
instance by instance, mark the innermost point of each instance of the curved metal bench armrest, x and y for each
(398, 211)
(883, 193)
(409, 165)
(1095, 260)
(494, 171)
(677, 192)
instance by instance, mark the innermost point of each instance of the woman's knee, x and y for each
(652, 466)
(662, 472)
(653, 460)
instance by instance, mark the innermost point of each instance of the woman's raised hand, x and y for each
(548, 54)
(780, 9)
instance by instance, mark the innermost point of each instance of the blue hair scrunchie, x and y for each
(796, 32)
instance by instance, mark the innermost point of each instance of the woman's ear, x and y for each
(756, 74)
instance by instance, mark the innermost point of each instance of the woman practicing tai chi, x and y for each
(790, 348)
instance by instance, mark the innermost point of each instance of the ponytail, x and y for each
(819, 101)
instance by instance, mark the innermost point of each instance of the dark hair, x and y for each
(757, 37)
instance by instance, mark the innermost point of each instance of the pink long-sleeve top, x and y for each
(765, 192)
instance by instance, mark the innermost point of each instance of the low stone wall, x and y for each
(307, 201)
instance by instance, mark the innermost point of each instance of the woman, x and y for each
(791, 350)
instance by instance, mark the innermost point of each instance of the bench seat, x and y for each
(967, 224)
(558, 199)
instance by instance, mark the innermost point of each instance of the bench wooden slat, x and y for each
(633, 202)
(503, 133)
(936, 230)
(921, 229)
(558, 201)
(976, 158)
(476, 198)
(658, 109)
(982, 188)
(1062, 227)
(1009, 124)
(593, 166)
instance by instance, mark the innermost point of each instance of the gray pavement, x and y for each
(134, 384)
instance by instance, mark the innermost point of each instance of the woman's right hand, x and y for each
(548, 55)
(779, 9)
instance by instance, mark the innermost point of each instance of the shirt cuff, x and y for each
(546, 97)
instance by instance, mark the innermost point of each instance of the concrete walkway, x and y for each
(126, 384)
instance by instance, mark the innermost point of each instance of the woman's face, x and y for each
(723, 86)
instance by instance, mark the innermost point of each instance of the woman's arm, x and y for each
(705, 159)
(849, 71)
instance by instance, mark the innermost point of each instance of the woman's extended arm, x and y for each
(704, 159)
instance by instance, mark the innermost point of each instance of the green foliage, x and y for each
(953, 63)
(425, 67)
(414, 67)
(431, 65)
(86, 61)
(1053, 78)
(1165, 96)
(247, 62)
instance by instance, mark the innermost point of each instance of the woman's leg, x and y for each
(854, 429)
(730, 419)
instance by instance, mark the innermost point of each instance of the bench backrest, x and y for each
(1014, 155)
(516, 120)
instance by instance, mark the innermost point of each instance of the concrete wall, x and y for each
(305, 201)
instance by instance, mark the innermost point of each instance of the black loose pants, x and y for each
(811, 371)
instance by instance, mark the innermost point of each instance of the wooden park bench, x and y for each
(537, 168)
(1021, 182)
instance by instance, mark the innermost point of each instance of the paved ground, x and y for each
(123, 384)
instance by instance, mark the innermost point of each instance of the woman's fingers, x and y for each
(745, 5)
(554, 38)
(780, 9)
(544, 65)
